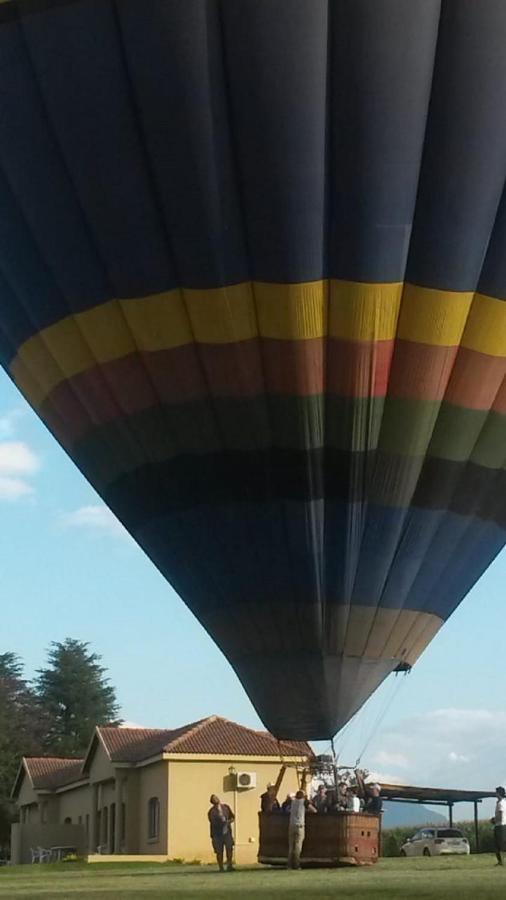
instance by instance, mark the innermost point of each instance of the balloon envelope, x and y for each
(252, 276)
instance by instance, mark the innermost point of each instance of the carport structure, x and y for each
(403, 793)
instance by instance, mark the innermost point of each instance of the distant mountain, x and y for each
(396, 814)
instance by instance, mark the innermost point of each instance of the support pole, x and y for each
(334, 765)
(476, 829)
(279, 780)
(450, 813)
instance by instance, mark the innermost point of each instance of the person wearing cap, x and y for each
(220, 820)
(499, 823)
(268, 800)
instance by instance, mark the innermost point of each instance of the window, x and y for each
(153, 819)
(123, 823)
(43, 812)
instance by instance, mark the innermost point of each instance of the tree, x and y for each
(22, 731)
(76, 695)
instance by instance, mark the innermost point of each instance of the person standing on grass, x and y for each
(220, 819)
(297, 828)
(499, 823)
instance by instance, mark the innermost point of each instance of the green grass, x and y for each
(393, 879)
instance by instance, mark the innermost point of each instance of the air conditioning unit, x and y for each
(246, 780)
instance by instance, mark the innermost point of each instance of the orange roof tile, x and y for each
(51, 772)
(212, 735)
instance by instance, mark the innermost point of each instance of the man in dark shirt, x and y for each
(287, 805)
(370, 794)
(220, 820)
(268, 800)
(373, 802)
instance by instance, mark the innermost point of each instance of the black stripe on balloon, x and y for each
(218, 479)
(10, 11)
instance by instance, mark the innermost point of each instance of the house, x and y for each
(143, 791)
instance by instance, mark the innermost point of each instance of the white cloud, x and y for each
(17, 464)
(384, 758)
(14, 488)
(128, 724)
(383, 778)
(8, 423)
(16, 458)
(98, 519)
(448, 747)
(458, 757)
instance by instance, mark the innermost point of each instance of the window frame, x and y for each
(154, 819)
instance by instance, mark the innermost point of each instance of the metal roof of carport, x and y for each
(430, 795)
(406, 793)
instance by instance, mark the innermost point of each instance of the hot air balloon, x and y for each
(252, 277)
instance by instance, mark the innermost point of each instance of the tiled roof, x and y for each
(212, 735)
(50, 772)
(131, 745)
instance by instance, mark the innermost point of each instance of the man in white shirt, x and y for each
(499, 823)
(353, 802)
(297, 828)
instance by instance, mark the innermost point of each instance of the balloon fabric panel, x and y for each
(253, 278)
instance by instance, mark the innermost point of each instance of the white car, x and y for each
(436, 842)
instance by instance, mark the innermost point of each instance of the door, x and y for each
(416, 844)
(112, 827)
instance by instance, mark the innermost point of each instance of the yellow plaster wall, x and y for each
(74, 803)
(152, 782)
(101, 767)
(26, 794)
(131, 797)
(190, 786)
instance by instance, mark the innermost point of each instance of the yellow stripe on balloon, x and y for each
(485, 329)
(293, 312)
(433, 317)
(361, 311)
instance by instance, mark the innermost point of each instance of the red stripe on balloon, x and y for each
(126, 386)
(476, 379)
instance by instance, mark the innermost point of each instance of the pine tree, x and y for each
(22, 731)
(76, 695)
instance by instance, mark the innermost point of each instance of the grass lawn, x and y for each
(469, 878)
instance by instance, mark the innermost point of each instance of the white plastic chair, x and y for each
(44, 855)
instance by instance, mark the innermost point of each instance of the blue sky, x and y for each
(68, 569)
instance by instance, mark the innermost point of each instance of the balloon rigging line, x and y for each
(381, 715)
